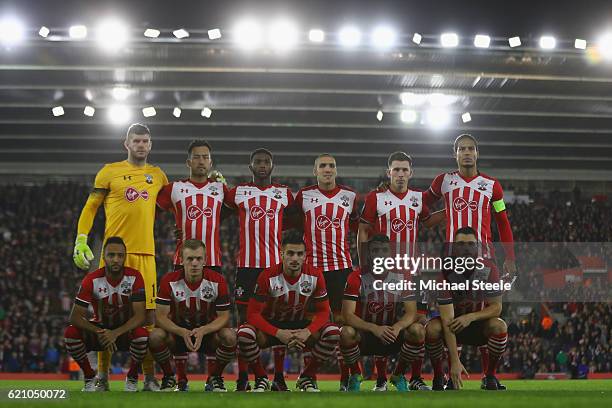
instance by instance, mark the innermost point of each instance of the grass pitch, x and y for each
(520, 394)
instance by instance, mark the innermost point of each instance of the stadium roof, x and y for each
(537, 114)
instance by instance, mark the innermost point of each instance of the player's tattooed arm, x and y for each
(137, 319)
(409, 316)
(78, 318)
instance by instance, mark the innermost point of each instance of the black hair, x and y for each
(261, 150)
(466, 231)
(399, 156)
(114, 240)
(382, 238)
(464, 136)
(198, 143)
(292, 237)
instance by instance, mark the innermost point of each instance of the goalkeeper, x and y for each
(128, 190)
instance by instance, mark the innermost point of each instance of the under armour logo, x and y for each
(246, 192)
(185, 190)
(179, 294)
(388, 203)
(100, 290)
(127, 177)
(314, 200)
(453, 183)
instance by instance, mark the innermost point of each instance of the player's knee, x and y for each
(227, 337)
(157, 337)
(348, 335)
(140, 332)
(71, 332)
(497, 326)
(433, 330)
(416, 332)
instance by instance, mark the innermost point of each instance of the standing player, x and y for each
(116, 295)
(371, 321)
(469, 197)
(193, 310)
(328, 212)
(276, 315)
(128, 190)
(260, 206)
(396, 211)
(196, 203)
(467, 317)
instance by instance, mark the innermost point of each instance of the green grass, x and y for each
(520, 394)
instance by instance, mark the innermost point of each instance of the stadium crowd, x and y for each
(38, 282)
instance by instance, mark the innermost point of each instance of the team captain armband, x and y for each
(499, 205)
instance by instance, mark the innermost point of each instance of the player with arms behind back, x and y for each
(128, 190)
(260, 205)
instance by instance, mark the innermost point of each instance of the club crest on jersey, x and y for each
(207, 292)
(148, 178)
(460, 204)
(131, 194)
(126, 288)
(414, 201)
(482, 185)
(214, 191)
(239, 291)
(323, 222)
(277, 194)
(258, 213)
(345, 200)
(306, 287)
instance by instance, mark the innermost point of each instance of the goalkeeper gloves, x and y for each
(82, 254)
(217, 176)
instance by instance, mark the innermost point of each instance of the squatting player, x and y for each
(328, 214)
(372, 325)
(193, 310)
(467, 317)
(276, 315)
(260, 205)
(396, 211)
(128, 190)
(116, 294)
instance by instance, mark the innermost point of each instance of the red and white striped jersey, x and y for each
(377, 306)
(470, 301)
(396, 215)
(194, 304)
(468, 203)
(287, 299)
(260, 212)
(326, 225)
(111, 300)
(197, 212)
